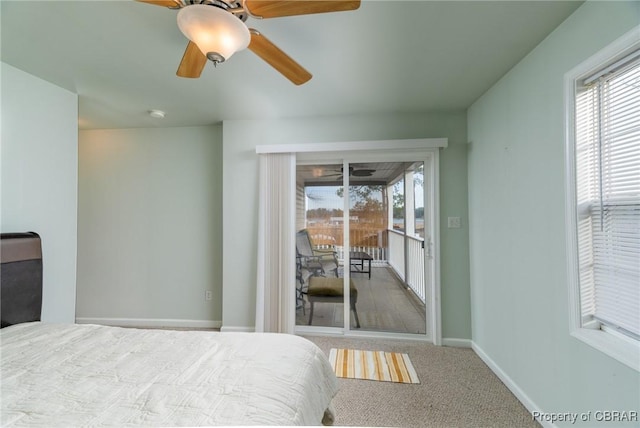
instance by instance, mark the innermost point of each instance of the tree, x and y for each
(367, 203)
(323, 213)
(398, 199)
(360, 192)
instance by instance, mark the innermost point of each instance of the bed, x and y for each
(90, 375)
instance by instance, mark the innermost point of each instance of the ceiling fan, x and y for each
(364, 172)
(216, 29)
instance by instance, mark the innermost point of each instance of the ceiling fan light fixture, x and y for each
(157, 114)
(216, 32)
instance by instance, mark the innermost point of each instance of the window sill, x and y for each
(624, 351)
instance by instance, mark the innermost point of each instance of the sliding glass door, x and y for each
(363, 256)
(386, 257)
(319, 245)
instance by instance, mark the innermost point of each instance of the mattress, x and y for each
(67, 375)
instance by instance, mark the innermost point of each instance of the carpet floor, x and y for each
(457, 390)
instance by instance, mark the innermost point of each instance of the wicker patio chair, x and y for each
(316, 261)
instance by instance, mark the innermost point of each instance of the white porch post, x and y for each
(409, 205)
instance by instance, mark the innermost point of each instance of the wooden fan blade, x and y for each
(192, 63)
(363, 172)
(279, 60)
(164, 3)
(277, 8)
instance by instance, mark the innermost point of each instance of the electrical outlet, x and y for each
(207, 295)
(453, 222)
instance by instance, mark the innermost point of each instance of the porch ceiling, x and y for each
(331, 174)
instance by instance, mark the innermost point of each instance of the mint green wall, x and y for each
(519, 295)
(241, 194)
(39, 179)
(150, 224)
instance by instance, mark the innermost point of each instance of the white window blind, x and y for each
(275, 297)
(608, 198)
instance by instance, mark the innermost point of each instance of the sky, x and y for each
(326, 197)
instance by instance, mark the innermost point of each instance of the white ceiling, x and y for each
(374, 173)
(386, 57)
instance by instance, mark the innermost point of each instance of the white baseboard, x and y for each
(236, 329)
(513, 387)
(151, 322)
(456, 343)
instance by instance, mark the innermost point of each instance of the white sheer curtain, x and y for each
(275, 298)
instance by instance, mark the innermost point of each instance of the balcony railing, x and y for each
(409, 264)
(371, 240)
(396, 252)
(384, 246)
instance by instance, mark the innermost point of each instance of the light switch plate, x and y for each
(453, 222)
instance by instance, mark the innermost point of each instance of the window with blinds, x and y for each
(607, 155)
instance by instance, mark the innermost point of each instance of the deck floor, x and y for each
(384, 304)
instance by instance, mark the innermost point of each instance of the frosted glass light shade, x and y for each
(213, 30)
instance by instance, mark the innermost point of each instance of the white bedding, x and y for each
(58, 375)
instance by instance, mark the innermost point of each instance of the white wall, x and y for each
(39, 179)
(517, 218)
(150, 226)
(241, 194)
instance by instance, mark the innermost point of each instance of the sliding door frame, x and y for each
(422, 150)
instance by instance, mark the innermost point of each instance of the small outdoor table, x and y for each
(357, 262)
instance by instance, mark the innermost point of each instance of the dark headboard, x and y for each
(20, 278)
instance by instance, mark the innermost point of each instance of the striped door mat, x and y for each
(373, 365)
